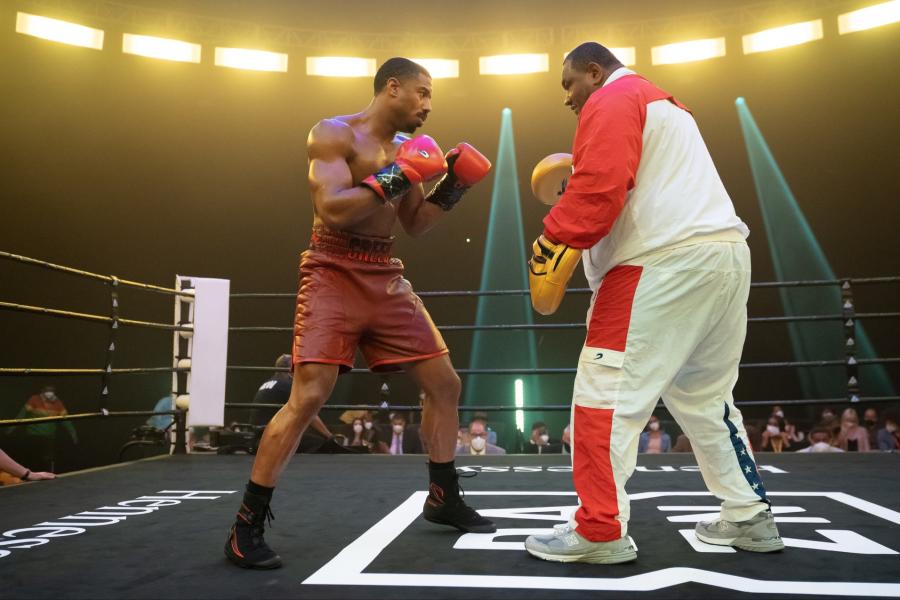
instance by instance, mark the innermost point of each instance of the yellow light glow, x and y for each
(162, 48)
(340, 66)
(625, 55)
(254, 60)
(869, 17)
(782, 37)
(59, 31)
(440, 68)
(514, 64)
(693, 50)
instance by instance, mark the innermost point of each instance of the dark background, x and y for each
(145, 169)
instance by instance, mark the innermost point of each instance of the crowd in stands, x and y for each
(384, 432)
(395, 433)
(831, 433)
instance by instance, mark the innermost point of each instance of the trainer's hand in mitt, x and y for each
(550, 177)
(549, 271)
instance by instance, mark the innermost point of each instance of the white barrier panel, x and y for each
(209, 352)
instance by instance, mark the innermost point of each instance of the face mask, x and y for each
(773, 429)
(357, 428)
(891, 427)
(545, 438)
(368, 424)
(779, 414)
(398, 429)
(478, 443)
(654, 426)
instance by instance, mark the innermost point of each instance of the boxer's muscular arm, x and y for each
(337, 202)
(416, 215)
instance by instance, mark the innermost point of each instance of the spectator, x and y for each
(277, 390)
(462, 438)
(478, 441)
(567, 439)
(683, 444)
(274, 390)
(820, 440)
(852, 437)
(870, 421)
(889, 435)
(43, 435)
(774, 437)
(404, 439)
(829, 421)
(492, 435)
(376, 442)
(17, 473)
(794, 436)
(162, 422)
(362, 433)
(654, 440)
(539, 442)
(354, 435)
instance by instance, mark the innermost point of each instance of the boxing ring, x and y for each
(349, 526)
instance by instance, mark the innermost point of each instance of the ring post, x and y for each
(180, 432)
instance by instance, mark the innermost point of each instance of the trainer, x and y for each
(666, 257)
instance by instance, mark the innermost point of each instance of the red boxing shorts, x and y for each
(352, 294)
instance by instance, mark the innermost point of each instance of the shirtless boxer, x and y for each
(363, 178)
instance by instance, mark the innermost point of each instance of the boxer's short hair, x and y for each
(400, 69)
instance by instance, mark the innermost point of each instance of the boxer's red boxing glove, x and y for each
(466, 166)
(418, 159)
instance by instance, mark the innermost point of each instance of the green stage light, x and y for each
(504, 268)
(797, 255)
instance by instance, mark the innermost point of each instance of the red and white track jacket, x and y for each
(643, 179)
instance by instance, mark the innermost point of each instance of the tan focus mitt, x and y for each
(550, 177)
(549, 271)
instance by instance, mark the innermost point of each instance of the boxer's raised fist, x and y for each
(418, 159)
(466, 166)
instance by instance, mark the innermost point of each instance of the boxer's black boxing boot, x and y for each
(445, 505)
(245, 546)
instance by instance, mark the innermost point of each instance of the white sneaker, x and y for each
(759, 534)
(566, 545)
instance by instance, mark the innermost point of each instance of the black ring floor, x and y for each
(350, 527)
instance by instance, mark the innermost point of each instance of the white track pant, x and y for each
(672, 325)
